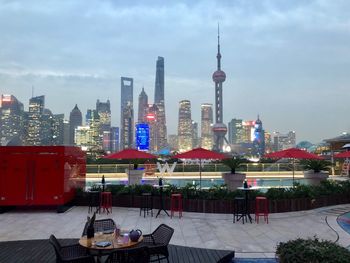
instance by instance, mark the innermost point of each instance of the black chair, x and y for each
(72, 253)
(146, 204)
(94, 201)
(158, 241)
(100, 225)
(227, 258)
(239, 210)
(138, 254)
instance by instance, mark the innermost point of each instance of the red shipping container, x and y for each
(40, 175)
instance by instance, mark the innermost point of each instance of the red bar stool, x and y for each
(261, 208)
(106, 201)
(176, 204)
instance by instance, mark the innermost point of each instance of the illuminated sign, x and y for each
(142, 136)
(150, 117)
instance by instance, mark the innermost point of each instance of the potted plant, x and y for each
(233, 179)
(316, 171)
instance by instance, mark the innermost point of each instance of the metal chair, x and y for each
(138, 254)
(100, 225)
(158, 241)
(72, 253)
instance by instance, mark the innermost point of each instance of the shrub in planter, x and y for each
(233, 179)
(311, 250)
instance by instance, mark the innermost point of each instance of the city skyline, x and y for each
(286, 62)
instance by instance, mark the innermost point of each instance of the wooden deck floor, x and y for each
(42, 251)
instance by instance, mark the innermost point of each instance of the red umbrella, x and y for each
(200, 153)
(293, 153)
(343, 155)
(130, 154)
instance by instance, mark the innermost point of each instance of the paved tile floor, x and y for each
(194, 229)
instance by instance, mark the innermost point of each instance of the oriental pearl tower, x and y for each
(219, 128)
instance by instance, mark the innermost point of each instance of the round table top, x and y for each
(115, 242)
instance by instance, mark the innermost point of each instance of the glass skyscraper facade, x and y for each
(206, 126)
(127, 113)
(185, 126)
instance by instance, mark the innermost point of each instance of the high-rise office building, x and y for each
(185, 126)
(127, 113)
(114, 139)
(11, 121)
(206, 126)
(104, 111)
(235, 131)
(143, 105)
(160, 102)
(159, 83)
(152, 121)
(219, 128)
(58, 129)
(173, 142)
(93, 121)
(84, 137)
(47, 124)
(75, 120)
(283, 141)
(195, 138)
(34, 121)
(248, 131)
(259, 139)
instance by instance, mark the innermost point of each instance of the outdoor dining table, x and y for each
(246, 191)
(161, 199)
(99, 243)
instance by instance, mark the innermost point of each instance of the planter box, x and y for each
(224, 206)
(233, 180)
(312, 178)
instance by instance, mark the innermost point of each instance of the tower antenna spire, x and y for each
(218, 56)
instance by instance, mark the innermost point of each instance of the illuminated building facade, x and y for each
(206, 126)
(159, 101)
(195, 138)
(283, 141)
(104, 112)
(248, 131)
(11, 120)
(58, 129)
(75, 120)
(235, 131)
(173, 142)
(34, 120)
(259, 139)
(152, 121)
(185, 126)
(143, 105)
(93, 121)
(127, 113)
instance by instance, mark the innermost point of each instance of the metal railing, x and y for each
(248, 167)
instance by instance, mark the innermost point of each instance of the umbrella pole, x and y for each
(200, 174)
(293, 171)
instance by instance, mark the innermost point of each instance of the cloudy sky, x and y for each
(285, 60)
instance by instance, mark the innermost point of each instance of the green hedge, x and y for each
(312, 251)
(220, 192)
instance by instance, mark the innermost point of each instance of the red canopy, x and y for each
(200, 153)
(130, 154)
(293, 153)
(343, 155)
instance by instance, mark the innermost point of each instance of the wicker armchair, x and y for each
(100, 225)
(138, 254)
(158, 241)
(72, 253)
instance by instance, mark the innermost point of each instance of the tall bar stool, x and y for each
(106, 201)
(146, 204)
(239, 209)
(176, 204)
(261, 209)
(94, 201)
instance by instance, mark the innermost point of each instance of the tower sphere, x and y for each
(220, 128)
(219, 76)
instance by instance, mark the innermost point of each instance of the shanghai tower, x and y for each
(159, 102)
(219, 128)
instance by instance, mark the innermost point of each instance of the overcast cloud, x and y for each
(285, 60)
